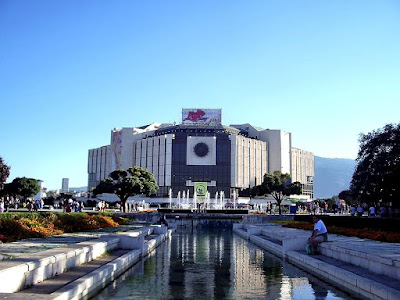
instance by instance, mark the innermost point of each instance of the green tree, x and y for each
(377, 174)
(25, 187)
(347, 196)
(4, 172)
(277, 185)
(124, 184)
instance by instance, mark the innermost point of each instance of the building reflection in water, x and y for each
(215, 264)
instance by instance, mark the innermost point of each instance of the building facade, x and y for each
(303, 170)
(65, 185)
(199, 150)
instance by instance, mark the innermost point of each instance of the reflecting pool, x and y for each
(215, 264)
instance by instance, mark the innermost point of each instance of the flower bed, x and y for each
(365, 233)
(147, 210)
(16, 226)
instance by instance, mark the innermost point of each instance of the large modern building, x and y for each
(202, 154)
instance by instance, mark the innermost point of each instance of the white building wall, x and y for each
(127, 148)
(155, 155)
(40, 194)
(248, 161)
(302, 165)
(286, 152)
(252, 163)
(264, 159)
(99, 165)
(279, 150)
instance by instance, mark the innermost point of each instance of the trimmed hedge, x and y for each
(364, 233)
(379, 224)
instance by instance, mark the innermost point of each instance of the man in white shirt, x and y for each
(319, 234)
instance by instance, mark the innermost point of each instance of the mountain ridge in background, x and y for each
(332, 175)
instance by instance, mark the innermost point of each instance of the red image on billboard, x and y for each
(195, 116)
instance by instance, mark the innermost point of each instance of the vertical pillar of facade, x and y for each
(252, 166)
(168, 160)
(156, 151)
(103, 163)
(138, 153)
(143, 153)
(246, 163)
(234, 162)
(264, 159)
(90, 161)
(149, 155)
(257, 156)
(98, 164)
(161, 161)
(240, 162)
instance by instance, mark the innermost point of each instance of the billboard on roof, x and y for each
(201, 116)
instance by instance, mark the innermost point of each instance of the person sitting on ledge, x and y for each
(319, 234)
(162, 221)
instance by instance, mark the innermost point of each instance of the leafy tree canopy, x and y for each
(127, 183)
(4, 172)
(278, 185)
(25, 187)
(347, 196)
(377, 174)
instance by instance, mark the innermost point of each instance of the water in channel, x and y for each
(215, 264)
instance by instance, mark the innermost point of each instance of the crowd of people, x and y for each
(133, 206)
(372, 210)
(358, 209)
(14, 203)
(102, 205)
(70, 205)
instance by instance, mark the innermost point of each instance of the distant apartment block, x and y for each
(65, 185)
(303, 170)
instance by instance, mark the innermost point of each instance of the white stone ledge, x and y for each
(30, 269)
(241, 232)
(98, 279)
(353, 282)
(267, 245)
(362, 286)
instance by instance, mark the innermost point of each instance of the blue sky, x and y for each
(71, 71)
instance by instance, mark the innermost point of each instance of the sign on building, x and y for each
(201, 116)
(201, 189)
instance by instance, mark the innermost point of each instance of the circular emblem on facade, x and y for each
(201, 149)
(200, 190)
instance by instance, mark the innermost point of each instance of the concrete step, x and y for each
(30, 269)
(57, 282)
(356, 280)
(366, 254)
(366, 268)
(86, 277)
